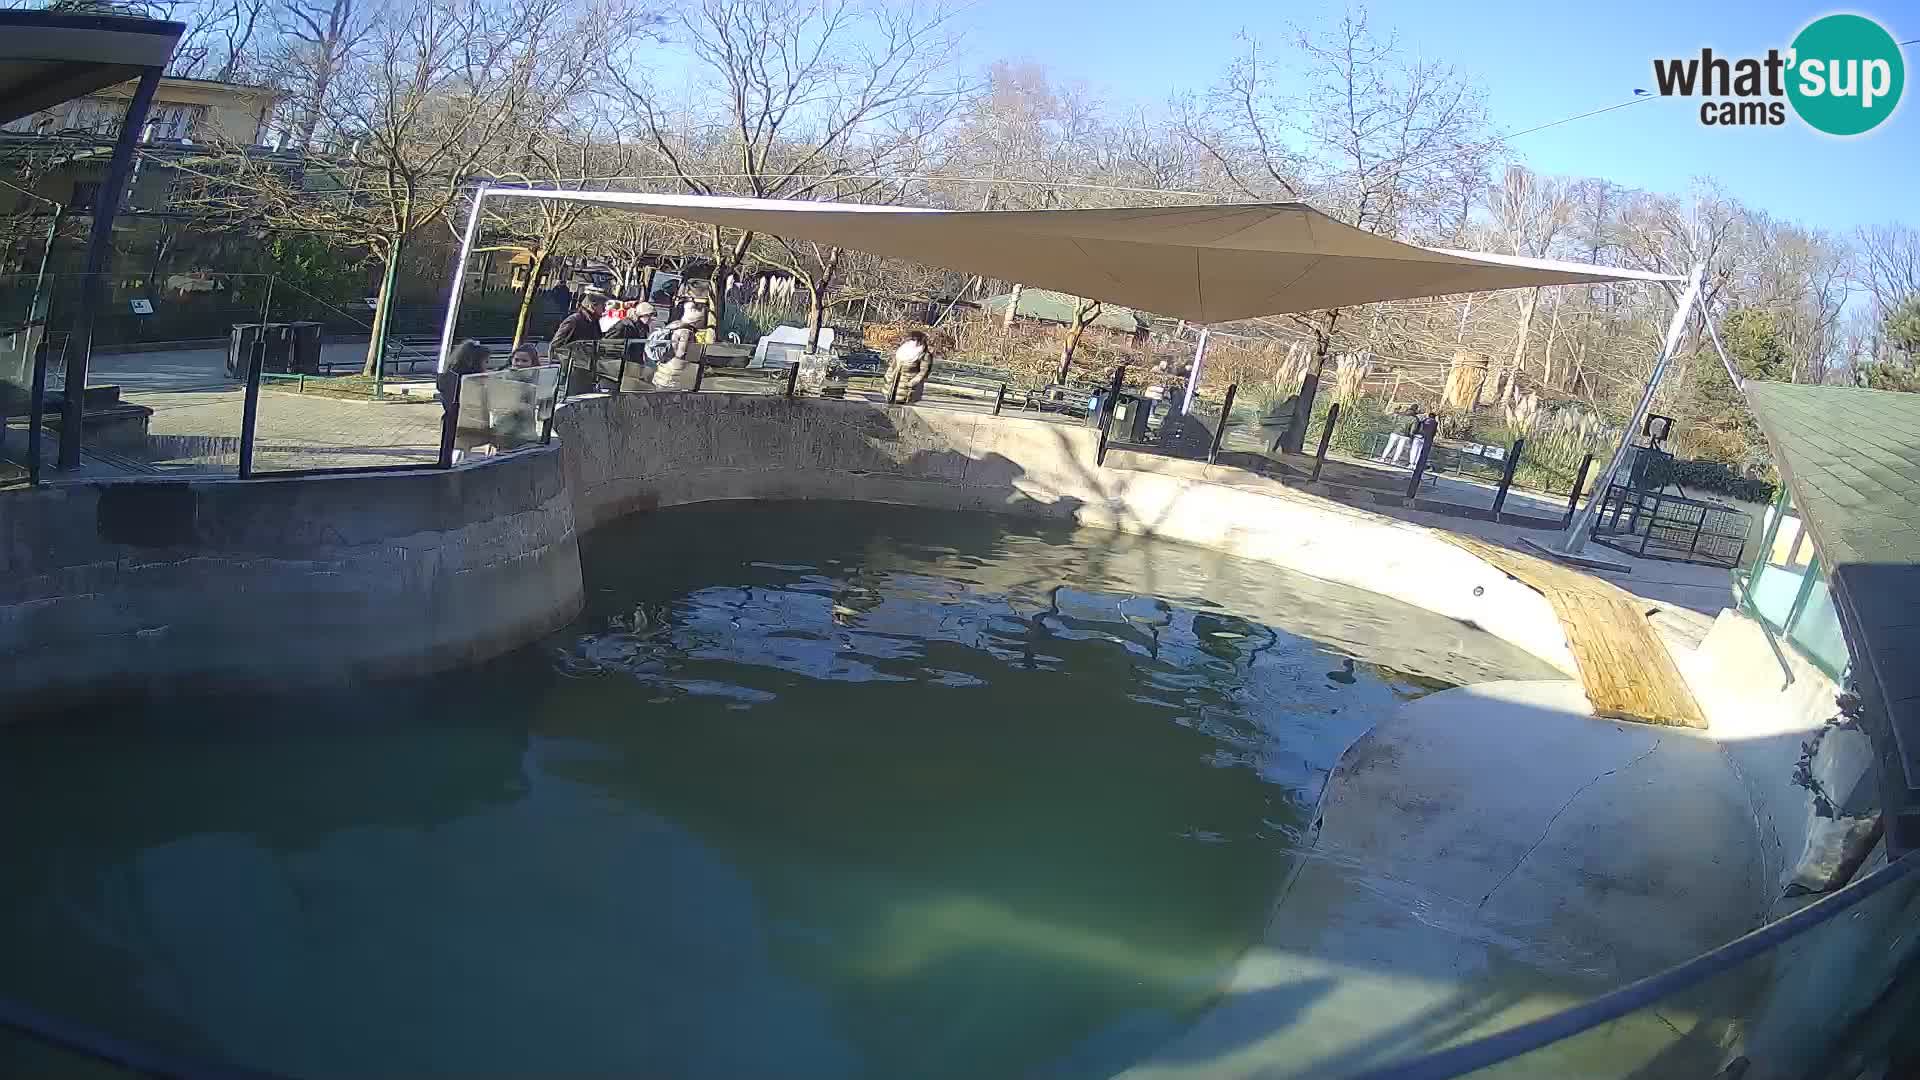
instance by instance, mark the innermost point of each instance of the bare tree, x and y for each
(793, 98)
(1373, 138)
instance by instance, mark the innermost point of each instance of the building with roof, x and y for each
(1046, 305)
(1837, 576)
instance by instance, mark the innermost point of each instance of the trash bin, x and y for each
(240, 348)
(1130, 413)
(305, 357)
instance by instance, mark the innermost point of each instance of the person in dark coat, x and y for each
(576, 342)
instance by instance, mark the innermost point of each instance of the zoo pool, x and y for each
(807, 790)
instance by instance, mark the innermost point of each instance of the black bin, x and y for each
(304, 357)
(279, 339)
(240, 348)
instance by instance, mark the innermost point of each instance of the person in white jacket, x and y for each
(912, 363)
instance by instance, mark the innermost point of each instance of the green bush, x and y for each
(1710, 476)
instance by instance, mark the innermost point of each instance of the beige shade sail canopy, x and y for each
(1204, 264)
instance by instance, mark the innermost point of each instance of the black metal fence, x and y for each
(1656, 525)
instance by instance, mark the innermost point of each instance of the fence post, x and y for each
(1326, 436)
(250, 404)
(793, 376)
(999, 399)
(1506, 478)
(1579, 481)
(620, 380)
(449, 422)
(699, 374)
(1220, 431)
(1420, 466)
(1106, 415)
(37, 408)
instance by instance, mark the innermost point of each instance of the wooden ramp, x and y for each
(1627, 672)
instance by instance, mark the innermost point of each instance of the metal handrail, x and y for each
(1744, 598)
(1531, 1036)
(99, 1046)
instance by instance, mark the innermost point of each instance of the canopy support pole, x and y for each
(1193, 372)
(1576, 537)
(460, 275)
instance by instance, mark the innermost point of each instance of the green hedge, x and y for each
(1710, 476)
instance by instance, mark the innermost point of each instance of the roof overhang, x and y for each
(1204, 264)
(48, 58)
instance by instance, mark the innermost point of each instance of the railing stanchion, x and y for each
(793, 377)
(449, 422)
(1579, 481)
(1326, 437)
(36, 409)
(620, 381)
(699, 373)
(1506, 478)
(1420, 467)
(893, 389)
(999, 399)
(1106, 415)
(1220, 430)
(250, 403)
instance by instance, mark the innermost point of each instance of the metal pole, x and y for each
(1106, 416)
(999, 399)
(793, 376)
(1220, 431)
(1506, 478)
(450, 423)
(1326, 436)
(37, 312)
(699, 374)
(250, 403)
(1420, 467)
(93, 285)
(893, 387)
(1193, 374)
(36, 409)
(1733, 373)
(1576, 538)
(459, 277)
(1580, 481)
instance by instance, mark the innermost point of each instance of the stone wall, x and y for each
(636, 452)
(152, 585)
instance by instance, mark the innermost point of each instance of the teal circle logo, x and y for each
(1846, 74)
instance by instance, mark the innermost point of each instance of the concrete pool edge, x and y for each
(156, 584)
(637, 452)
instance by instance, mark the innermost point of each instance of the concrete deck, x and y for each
(1436, 906)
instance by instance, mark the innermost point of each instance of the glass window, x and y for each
(1816, 629)
(1785, 559)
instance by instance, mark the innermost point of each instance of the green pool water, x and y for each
(811, 790)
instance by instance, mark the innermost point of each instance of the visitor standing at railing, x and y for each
(912, 363)
(1423, 435)
(683, 336)
(1401, 440)
(576, 342)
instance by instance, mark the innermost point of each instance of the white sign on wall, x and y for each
(142, 307)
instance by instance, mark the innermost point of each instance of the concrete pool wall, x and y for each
(636, 452)
(162, 585)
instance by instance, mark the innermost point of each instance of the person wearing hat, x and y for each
(576, 341)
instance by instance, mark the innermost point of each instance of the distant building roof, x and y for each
(1851, 459)
(1057, 307)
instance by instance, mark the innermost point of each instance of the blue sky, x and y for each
(1539, 62)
